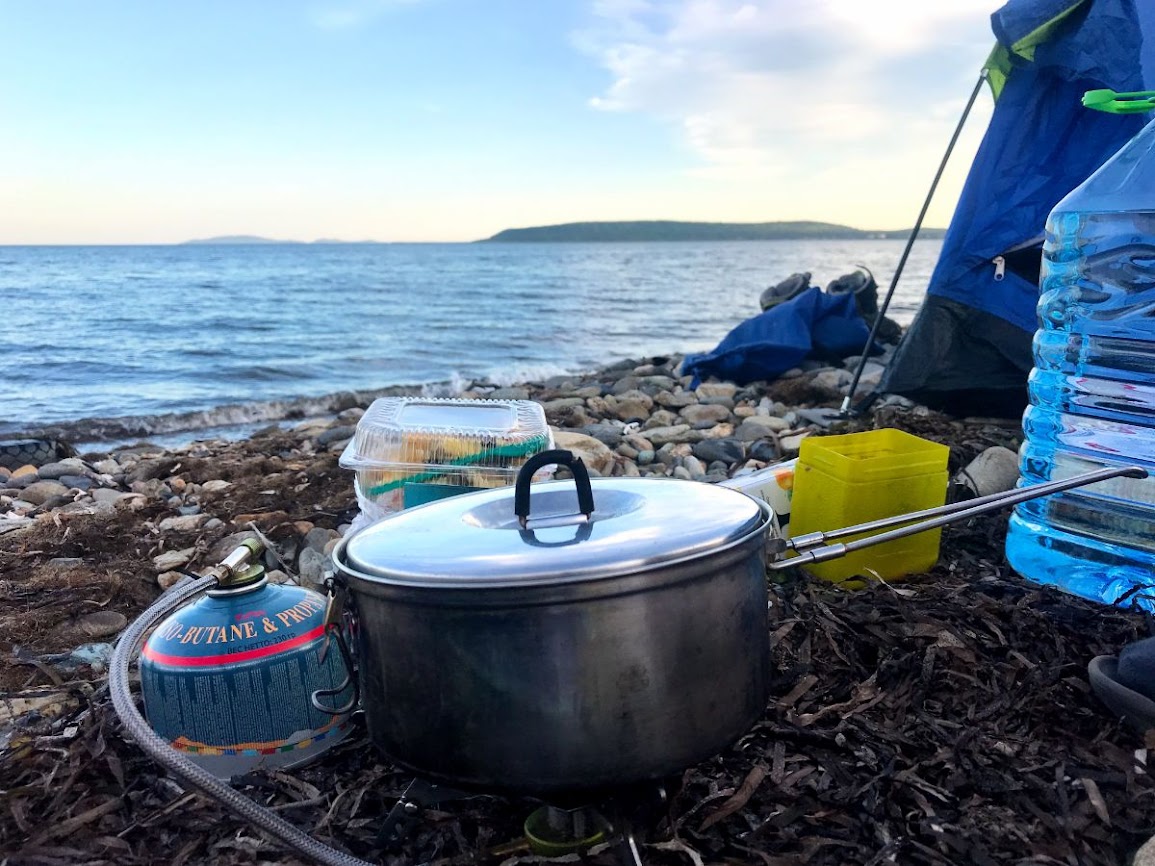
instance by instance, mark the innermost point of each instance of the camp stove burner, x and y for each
(553, 829)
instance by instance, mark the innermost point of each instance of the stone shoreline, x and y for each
(632, 418)
(192, 504)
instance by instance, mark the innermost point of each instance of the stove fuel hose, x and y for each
(126, 648)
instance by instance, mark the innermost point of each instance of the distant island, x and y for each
(235, 239)
(669, 230)
(222, 240)
(638, 231)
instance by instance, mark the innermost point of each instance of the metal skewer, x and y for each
(932, 518)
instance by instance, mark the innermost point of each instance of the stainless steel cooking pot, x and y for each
(512, 643)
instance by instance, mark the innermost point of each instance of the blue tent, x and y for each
(969, 349)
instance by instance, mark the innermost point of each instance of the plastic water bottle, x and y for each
(1092, 392)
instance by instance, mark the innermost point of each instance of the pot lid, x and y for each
(477, 539)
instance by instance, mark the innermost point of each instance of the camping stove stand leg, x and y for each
(417, 795)
(643, 811)
(627, 848)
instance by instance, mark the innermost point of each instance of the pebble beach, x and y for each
(884, 677)
(633, 418)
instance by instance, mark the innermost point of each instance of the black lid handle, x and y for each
(581, 477)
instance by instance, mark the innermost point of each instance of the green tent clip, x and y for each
(1120, 103)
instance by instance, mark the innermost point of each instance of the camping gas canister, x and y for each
(229, 679)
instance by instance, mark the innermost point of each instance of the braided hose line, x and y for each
(126, 648)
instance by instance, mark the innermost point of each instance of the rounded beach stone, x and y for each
(69, 466)
(40, 492)
(168, 579)
(694, 466)
(606, 433)
(765, 450)
(596, 455)
(724, 450)
(725, 390)
(699, 412)
(311, 567)
(1145, 856)
(102, 623)
(171, 560)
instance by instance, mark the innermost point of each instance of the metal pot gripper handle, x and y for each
(560, 457)
(809, 549)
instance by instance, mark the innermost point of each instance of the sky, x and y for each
(133, 121)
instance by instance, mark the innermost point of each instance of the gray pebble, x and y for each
(311, 566)
(317, 537)
(70, 466)
(149, 470)
(708, 414)
(40, 492)
(607, 434)
(107, 494)
(720, 450)
(664, 435)
(694, 466)
(765, 450)
(336, 434)
(102, 623)
(510, 394)
(624, 384)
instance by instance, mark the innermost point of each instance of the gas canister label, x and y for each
(250, 631)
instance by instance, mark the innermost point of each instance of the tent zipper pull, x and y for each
(1000, 268)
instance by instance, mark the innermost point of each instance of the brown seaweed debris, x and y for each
(944, 720)
(941, 721)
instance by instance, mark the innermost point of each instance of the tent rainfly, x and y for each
(968, 351)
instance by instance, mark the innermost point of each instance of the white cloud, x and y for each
(760, 87)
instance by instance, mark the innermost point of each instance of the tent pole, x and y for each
(844, 410)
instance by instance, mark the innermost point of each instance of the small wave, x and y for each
(513, 374)
(531, 372)
(264, 373)
(205, 352)
(450, 388)
(93, 430)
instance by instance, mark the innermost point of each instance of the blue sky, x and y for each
(446, 120)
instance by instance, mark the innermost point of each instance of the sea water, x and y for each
(172, 343)
(1092, 400)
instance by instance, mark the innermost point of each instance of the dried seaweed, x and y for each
(943, 720)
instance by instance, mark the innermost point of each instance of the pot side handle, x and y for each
(560, 457)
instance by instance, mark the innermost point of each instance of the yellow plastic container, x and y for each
(843, 480)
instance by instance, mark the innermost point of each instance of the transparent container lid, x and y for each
(417, 438)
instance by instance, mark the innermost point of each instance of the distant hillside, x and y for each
(668, 230)
(237, 239)
(257, 239)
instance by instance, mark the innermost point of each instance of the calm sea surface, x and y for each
(160, 332)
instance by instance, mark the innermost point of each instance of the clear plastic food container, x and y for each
(411, 450)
